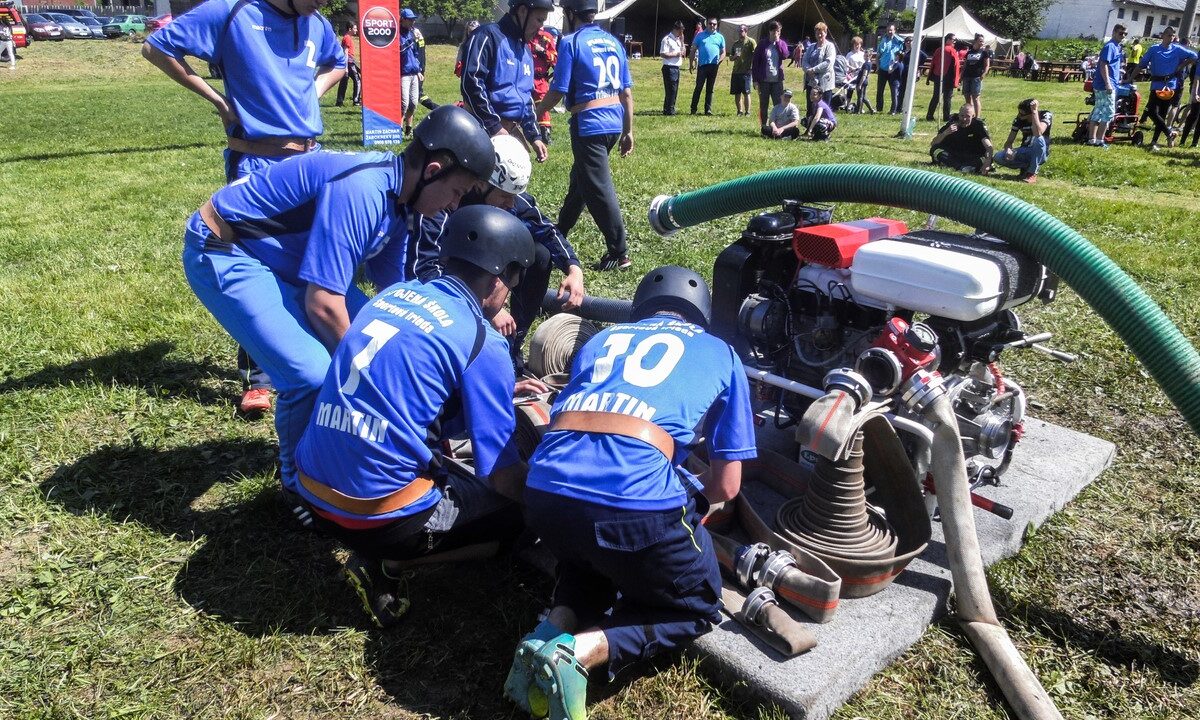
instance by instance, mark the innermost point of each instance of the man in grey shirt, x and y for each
(785, 120)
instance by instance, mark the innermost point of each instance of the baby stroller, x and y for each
(849, 83)
(1125, 124)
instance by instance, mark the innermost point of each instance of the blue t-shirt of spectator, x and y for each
(889, 49)
(1164, 63)
(709, 46)
(1109, 66)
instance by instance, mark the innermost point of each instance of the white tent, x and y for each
(647, 20)
(964, 26)
(796, 16)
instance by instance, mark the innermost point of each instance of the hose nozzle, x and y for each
(668, 228)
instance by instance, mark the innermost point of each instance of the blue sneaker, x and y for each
(561, 678)
(519, 686)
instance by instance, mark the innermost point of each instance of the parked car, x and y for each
(125, 25)
(76, 12)
(158, 23)
(11, 16)
(43, 28)
(71, 26)
(103, 20)
(94, 25)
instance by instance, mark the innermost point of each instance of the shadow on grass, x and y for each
(146, 367)
(253, 571)
(110, 151)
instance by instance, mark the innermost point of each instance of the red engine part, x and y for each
(912, 345)
(834, 245)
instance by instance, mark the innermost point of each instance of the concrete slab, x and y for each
(1050, 467)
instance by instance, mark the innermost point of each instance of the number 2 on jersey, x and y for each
(634, 372)
(312, 53)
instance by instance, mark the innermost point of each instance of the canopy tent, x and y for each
(797, 18)
(648, 20)
(964, 26)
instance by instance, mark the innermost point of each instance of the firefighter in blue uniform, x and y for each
(507, 190)
(593, 74)
(608, 496)
(268, 53)
(419, 361)
(273, 255)
(497, 76)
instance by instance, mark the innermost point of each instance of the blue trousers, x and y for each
(648, 579)
(265, 315)
(1027, 157)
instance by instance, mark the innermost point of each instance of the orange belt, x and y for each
(616, 424)
(272, 147)
(592, 104)
(216, 224)
(391, 502)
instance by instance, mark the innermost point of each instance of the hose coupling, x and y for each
(921, 390)
(656, 223)
(749, 559)
(774, 566)
(850, 382)
(756, 602)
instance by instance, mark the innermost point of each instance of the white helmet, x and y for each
(512, 170)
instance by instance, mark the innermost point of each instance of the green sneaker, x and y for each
(519, 686)
(384, 598)
(561, 678)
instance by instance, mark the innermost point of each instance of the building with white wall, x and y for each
(1095, 18)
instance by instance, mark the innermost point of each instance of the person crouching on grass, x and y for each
(821, 122)
(784, 121)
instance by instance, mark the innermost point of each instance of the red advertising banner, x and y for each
(379, 33)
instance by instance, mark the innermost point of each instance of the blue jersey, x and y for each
(407, 353)
(709, 46)
(592, 66)
(663, 370)
(1108, 66)
(314, 218)
(268, 59)
(412, 52)
(497, 77)
(1164, 63)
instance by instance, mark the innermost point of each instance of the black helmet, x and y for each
(581, 6)
(489, 238)
(452, 129)
(676, 289)
(535, 4)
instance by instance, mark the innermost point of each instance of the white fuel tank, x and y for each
(931, 280)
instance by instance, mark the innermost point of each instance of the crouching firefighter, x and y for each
(607, 494)
(419, 364)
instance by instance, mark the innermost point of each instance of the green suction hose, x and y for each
(1162, 348)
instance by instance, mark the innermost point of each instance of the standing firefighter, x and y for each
(593, 74)
(608, 495)
(544, 48)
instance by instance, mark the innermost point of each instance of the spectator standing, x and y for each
(593, 75)
(1164, 62)
(1136, 50)
(270, 104)
(699, 28)
(819, 60)
(943, 75)
(1105, 78)
(742, 52)
(707, 52)
(820, 122)
(471, 26)
(1192, 123)
(887, 51)
(963, 143)
(671, 50)
(349, 44)
(975, 67)
(7, 45)
(767, 70)
(856, 61)
(497, 79)
(412, 66)
(784, 121)
(544, 48)
(1033, 125)
(899, 74)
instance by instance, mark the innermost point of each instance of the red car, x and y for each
(43, 28)
(158, 23)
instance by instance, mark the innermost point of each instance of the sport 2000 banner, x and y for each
(379, 31)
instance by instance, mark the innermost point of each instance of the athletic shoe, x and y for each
(1153, 148)
(558, 674)
(1029, 178)
(255, 400)
(1171, 137)
(427, 103)
(298, 509)
(384, 598)
(613, 262)
(546, 135)
(519, 686)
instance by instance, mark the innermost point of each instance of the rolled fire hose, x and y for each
(555, 343)
(760, 612)
(1163, 349)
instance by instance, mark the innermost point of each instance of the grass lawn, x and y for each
(147, 571)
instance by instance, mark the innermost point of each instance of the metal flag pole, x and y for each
(910, 82)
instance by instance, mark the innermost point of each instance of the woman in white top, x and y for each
(855, 60)
(671, 51)
(818, 65)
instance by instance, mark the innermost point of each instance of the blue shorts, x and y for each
(972, 86)
(1106, 106)
(739, 84)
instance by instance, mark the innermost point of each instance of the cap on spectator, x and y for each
(787, 92)
(407, 14)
